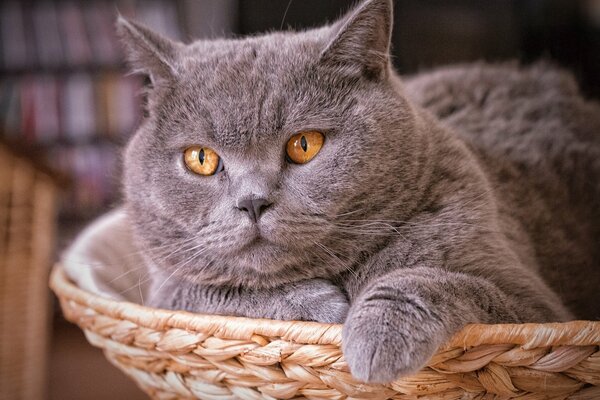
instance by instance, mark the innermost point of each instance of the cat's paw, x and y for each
(314, 300)
(383, 341)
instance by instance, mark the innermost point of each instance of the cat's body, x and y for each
(539, 143)
(421, 224)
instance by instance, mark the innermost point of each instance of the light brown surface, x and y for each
(79, 371)
(174, 354)
(27, 223)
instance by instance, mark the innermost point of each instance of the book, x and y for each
(64, 87)
(27, 127)
(77, 51)
(14, 42)
(99, 19)
(47, 37)
(77, 111)
(45, 108)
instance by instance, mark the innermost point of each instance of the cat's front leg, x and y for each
(400, 319)
(307, 300)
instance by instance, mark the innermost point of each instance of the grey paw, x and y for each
(382, 341)
(315, 300)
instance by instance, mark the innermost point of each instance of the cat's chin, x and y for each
(258, 247)
(259, 255)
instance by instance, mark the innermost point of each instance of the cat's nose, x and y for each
(254, 207)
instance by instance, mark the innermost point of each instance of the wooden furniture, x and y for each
(28, 199)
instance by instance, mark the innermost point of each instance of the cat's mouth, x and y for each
(260, 248)
(258, 254)
(257, 241)
(255, 236)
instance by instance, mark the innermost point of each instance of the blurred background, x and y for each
(67, 105)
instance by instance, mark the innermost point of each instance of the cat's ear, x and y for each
(360, 41)
(148, 52)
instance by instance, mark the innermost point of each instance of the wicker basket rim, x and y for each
(530, 335)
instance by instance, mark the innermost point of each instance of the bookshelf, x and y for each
(65, 91)
(66, 98)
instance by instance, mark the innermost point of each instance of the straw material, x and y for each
(176, 354)
(27, 224)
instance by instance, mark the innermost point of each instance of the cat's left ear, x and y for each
(148, 52)
(360, 41)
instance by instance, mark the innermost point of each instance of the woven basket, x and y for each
(28, 199)
(175, 354)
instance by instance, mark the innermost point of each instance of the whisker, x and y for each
(140, 282)
(166, 280)
(333, 255)
(350, 212)
(140, 289)
(285, 14)
(126, 273)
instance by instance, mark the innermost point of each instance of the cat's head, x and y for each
(210, 178)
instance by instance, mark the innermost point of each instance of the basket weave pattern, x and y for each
(28, 199)
(173, 354)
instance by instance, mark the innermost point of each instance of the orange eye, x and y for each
(304, 146)
(202, 160)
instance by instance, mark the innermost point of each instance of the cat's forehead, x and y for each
(251, 90)
(277, 51)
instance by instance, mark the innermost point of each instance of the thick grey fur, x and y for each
(470, 194)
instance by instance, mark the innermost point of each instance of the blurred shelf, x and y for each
(65, 70)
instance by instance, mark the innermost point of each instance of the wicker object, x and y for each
(175, 354)
(27, 225)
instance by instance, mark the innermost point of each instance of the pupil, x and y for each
(201, 157)
(303, 143)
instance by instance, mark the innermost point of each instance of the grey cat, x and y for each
(466, 195)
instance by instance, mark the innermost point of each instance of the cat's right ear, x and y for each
(148, 52)
(361, 40)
